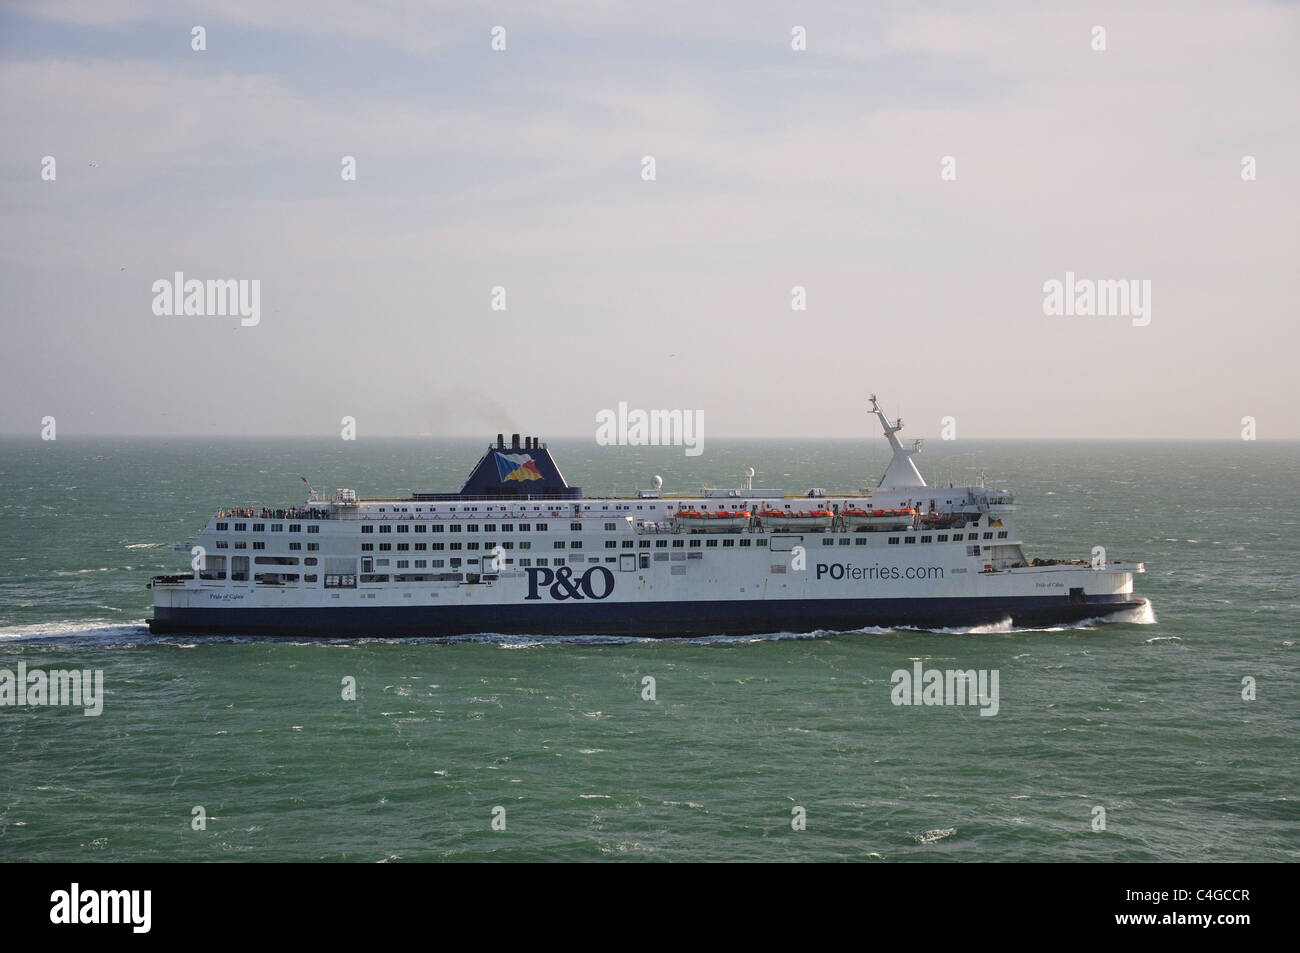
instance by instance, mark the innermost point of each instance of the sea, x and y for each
(1170, 733)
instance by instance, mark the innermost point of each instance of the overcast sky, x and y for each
(775, 168)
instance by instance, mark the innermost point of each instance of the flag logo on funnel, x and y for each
(517, 466)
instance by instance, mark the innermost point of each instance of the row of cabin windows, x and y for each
(613, 544)
(457, 528)
(464, 527)
(695, 543)
(422, 547)
(456, 562)
(438, 563)
(258, 544)
(437, 528)
(941, 538)
(424, 564)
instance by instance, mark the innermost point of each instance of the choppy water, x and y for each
(1142, 718)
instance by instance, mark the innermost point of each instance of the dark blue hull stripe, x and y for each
(654, 619)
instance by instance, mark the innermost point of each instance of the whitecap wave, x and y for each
(100, 630)
(1000, 627)
(1144, 614)
(929, 837)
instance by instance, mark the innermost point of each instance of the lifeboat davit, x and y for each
(804, 521)
(879, 520)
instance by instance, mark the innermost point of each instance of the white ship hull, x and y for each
(518, 551)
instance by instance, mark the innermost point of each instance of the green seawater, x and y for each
(1142, 717)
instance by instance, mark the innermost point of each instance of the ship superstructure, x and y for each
(519, 551)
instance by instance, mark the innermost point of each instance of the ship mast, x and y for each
(901, 472)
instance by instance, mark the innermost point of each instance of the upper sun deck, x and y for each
(522, 480)
(347, 507)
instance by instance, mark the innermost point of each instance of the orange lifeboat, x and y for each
(719, 522)
(797, 520)
(879, 520)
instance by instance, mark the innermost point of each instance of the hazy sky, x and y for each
(775, 168)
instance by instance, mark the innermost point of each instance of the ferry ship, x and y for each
(519, 551)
